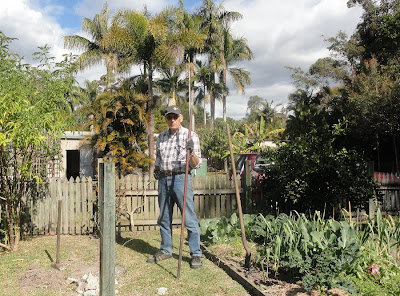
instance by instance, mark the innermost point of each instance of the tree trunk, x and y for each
(224, 96)
(12, 228)
(172, 100)
(204, 109)
(150, 127)
(191, 95)
(224, 108)
(212, 110)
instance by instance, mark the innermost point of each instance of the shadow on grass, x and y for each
(147, 250)
(137, 245)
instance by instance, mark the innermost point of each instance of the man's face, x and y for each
(174, 121)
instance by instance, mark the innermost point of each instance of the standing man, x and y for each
(170, 167)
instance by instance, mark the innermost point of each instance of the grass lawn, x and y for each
(29, 271)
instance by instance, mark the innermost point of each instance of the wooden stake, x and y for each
(107, 226)
(57, 264)
(239, 205)
(58, 232)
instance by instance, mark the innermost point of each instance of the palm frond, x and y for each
(240, 78)
(77, 42)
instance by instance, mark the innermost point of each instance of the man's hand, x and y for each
(156, 174)
(190, 145)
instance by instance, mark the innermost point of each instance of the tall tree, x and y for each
(147, 41)
(192, 39)
(35, 112)
(84, 97)
(234, 50)
(202, 77)
(254, 104)
(95, 51)
(172, 85)
(379, 31)
(214, 21)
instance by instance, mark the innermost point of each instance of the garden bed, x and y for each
(253, 278)
(300, 256)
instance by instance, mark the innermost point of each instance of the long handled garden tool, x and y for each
(239, 204)
(185, 188)
(184, 206)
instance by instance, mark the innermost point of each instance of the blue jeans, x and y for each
(170, 192)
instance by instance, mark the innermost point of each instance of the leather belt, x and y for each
(171, 173)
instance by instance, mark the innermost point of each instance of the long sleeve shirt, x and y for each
(171, 150)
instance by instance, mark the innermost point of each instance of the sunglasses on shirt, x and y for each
(172, 116)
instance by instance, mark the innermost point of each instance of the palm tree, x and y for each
(234, 50)
(214, 21)
(203, 77)
(172, 85)
(147, 41)
(94, 50)
(84, 98)
(192, 39)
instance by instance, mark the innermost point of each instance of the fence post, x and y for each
(107, 226)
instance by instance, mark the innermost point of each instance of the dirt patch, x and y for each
(50, 278)
(76, 260)
(40, 277)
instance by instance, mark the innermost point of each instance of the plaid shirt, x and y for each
(171, 150)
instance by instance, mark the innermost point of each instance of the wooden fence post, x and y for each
(107, 226)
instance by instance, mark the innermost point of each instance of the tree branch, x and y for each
(5, 246)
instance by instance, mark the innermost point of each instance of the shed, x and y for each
(77, 155)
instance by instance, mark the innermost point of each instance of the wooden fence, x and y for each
(78, 207)
(382, 178)
(389, 192)
(136, 204)
(137, 200)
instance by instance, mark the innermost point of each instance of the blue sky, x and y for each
(69, 13)
(279, 32)
(66, 15)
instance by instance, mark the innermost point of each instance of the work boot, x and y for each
(157, 257)
(196, 262)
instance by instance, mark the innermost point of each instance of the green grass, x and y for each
(29, 271)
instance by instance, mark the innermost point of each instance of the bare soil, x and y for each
(42, 277)
(39, 276)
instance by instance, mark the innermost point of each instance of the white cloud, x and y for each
(286, 33)
(31, 27)
(280, 33)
